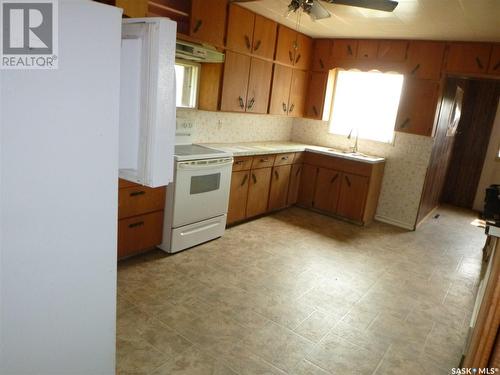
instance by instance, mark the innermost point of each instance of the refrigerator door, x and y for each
(147, 101)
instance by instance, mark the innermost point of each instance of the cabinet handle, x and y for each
(244, 180)
(284, 107)
(284, 158)
(298, 171)
(417, 67)
(136, 193)
(264, 160)
(247, 42)
(290, 55)
(138, 224)
(239, 162)
(298, 58)
(321, 64)
(497, 65)
(479, 63)
(257, 45)
(349, 50)
(404, 124)
(348, 181)
(242, 104)
(334, 178)
(197, 26)
(254, 178)
(315, 110)
(251, 103)
(276, 174)
(291, 108)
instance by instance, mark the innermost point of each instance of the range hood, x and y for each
(197, 52)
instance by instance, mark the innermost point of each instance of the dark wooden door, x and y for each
(208, 23)
(471, 143)
(327, 190)
(238, 196)
(258, 191)
(240, 29)
(293, 189)
(278, 193)
(352, 197)
(259, 86)
(307, 186)
(235, 85)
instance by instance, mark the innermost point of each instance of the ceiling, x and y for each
(467, 20)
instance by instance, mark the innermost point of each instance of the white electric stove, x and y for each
(197, 200)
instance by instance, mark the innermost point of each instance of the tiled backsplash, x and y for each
(404, 174)
(219, 127)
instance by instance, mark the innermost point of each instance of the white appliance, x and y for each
(197, 200)
(147, 101)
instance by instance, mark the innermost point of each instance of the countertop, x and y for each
(261, 148)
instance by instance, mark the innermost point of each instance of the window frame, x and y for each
(194, 82)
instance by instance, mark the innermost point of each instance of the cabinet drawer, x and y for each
(339, 164)
(139, 200)
(284, 159)
(242, 163)
(139, 233)
(263, 161)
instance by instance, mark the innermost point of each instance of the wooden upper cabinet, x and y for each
(417, 107)
(280, 91)
(494, 67)
(367, 49)
(425, 59)
(470, 58)
(352, 197)
(315, 98)
(240, 29)
(264, 37)
(303, 52)
(133, 8)
(321, 55)
(259, 85)
(208, 22)
(327, 190)
(392, 50)
(258, 191)
(298, 87)
(285, 48)
(238, 196)
(344, 49)
(278, 193)
(235, 85)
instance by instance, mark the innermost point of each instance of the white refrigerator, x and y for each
(59, 167)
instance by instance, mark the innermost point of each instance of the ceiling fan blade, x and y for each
(318, 12)
(384, 5)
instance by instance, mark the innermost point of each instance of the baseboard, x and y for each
(396, 223)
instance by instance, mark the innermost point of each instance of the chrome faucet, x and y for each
(355, 148)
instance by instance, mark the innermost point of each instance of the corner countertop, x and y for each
(261, 148)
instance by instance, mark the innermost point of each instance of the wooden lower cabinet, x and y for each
(293, 188)
(352, 196)
(326, 194)
(278, 192)
(307, 186)
(238, 196)
(258, 191)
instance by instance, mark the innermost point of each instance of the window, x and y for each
(366, 104)
(186, 84)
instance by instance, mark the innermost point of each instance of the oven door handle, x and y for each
(199, 167)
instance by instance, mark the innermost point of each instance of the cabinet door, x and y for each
(303, 53)
(139, 233)
(282, 79)
(240, 29)
(238, 196)
(344, 49)
(494, 67)
(235, 85)
(307, 186)
(258, 191)
(296, 103)
(352, 198)
(321, 56)
(468, 57)
(315, 99)
(293, 189)
(259, 86)
(327, 190)
(133, 8)
(392, 50)
(367, 49)
(264, 37)
(417, 107)
(208, 23)
(137, 200)
(285, 49)
(425, 59)
(280, 180)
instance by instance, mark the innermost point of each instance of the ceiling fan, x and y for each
(318, 12)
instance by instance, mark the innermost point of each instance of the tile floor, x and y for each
(301, 293)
